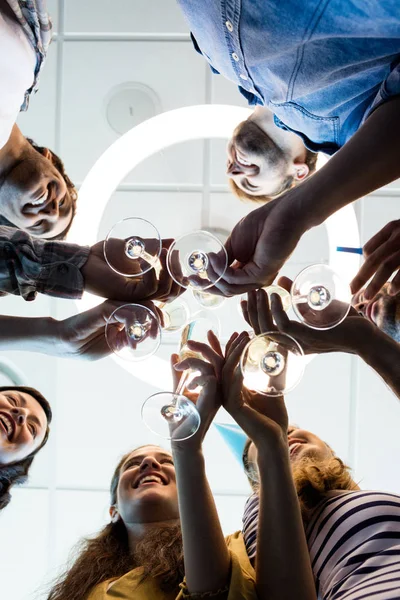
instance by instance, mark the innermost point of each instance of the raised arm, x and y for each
(207, 560)
(29, 266)
(264, 239)
(283, 566)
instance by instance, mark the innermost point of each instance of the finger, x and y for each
(214, 343)
(379, 238)
(281, 319)
(195, 364)
(167, 242)
(232, 386)
(285, 283)
(229, 343)
(252, 311)
(233, 359)
(264, 313)
(367, 270)
(216, 360)
(236, 342)
(394, 286)
(382, 275)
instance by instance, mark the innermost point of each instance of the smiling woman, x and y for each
(25, 416)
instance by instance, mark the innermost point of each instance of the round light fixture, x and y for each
(129, 104)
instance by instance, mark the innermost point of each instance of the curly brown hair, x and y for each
(107, 556)
(16, 473)
(59, 165)
(312, 478)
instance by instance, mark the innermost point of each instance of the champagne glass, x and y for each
(133, 332)
(188, 263)
(272, 363)
(320, 298)
(176, 314)
(132, 247)
(170, 414)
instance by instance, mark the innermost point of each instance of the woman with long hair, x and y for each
(25, 416)
(164, 538)
(308, 528)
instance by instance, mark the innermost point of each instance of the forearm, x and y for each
(381, 353)
(283, 567)
(207, 561)
(30, 334)
(367, 162)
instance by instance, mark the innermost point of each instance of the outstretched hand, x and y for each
(103, 281)
(342, 338)
(382, 259)
(83, 335)
(259, 245)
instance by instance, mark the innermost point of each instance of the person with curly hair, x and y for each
(36, 194)
(25, 416)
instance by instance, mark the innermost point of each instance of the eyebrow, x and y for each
(142, 456)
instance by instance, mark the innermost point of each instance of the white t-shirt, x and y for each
(17, 69)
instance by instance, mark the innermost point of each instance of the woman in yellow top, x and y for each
(164, 540)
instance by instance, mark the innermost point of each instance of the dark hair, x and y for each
(59, 165)
(287, 183)
(16, 473)
(108, 556)
(248, 468)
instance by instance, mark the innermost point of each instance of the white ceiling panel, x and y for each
(39, 121)
(376, 437)
(173, 213)
(25, 544)
(86, 132)
(377, 211)
(124, 16)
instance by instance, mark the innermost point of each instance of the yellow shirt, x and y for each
(128, 587)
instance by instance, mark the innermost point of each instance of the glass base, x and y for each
(171, 416)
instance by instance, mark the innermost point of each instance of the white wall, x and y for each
(99, 45)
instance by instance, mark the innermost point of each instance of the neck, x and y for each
(13, 150)
(137, 531)
(288, 142)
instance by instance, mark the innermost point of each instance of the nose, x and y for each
(233, 169)
(149, 462)
(19, 415)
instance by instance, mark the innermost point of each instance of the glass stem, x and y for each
(182, 382)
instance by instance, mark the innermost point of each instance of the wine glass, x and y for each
(272, 363)
(207, 300)
(132, 247)
(320, 298)
(133, 332)
(170, 414)
(188, 263)
(176, 314)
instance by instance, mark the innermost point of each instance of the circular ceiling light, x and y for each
(208, 121)
(129, 104)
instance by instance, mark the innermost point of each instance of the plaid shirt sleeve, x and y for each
(30, 266)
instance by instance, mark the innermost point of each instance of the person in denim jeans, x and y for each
(329, 70)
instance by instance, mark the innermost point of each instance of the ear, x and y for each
(114, 514)
(301, 170)
(47, 154)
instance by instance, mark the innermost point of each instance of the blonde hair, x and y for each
(313, 479)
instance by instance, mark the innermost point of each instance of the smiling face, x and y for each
(383, 310)
(34, 196)
(302, 444)
(146, 489)
(23, 426)
(255, 163)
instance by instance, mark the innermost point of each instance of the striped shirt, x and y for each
(30, 266)
(354, 544)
